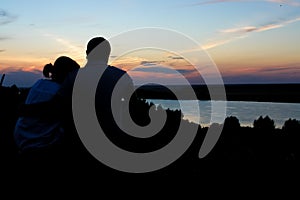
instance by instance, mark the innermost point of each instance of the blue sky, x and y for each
(256, 39)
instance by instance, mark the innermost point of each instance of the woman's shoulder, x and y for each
(42, 90)
(46, 82)
(46, 85)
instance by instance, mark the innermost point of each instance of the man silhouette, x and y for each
(107, 95)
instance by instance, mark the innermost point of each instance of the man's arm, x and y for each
(49, 109)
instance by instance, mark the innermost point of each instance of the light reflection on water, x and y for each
(246, 112)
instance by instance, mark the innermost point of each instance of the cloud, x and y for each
(288, 73)
(246, 29)
(232, 34)
(182, 77)
(176, 57)
(287, 2)
(258, 78)
(281, 69)
(2, 50)
(164, 70)
(147, 63)
(31, 69)
(6, 18)
(75, 51)
(185, 71)
(219, 42)
(140, 78)
(215, 1)
(157, 69)
(249, 29)
(4, 38)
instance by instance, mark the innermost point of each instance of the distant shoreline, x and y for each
(277, 93)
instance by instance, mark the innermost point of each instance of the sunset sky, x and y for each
(249, 41)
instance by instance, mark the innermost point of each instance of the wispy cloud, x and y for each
(228, 35)
(176, 57)
(156, 69)
(4, 38)
(31, 69)
(219, 42)
(164, 70)
(214, 2)
(287, 2)
(288, 73)
(2, 50)
(281, 69)
(249, 29)
(152, 62)
(76, 52)
(6, 18)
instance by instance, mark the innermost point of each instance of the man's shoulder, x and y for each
(115, 69)
(115, 73)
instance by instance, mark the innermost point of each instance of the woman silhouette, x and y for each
(40, 137)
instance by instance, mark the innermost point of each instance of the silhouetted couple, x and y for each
(45, 132)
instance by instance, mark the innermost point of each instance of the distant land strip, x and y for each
(285, 93)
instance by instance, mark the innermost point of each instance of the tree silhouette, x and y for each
(231, 131)
(266, 124)
(266, 141)
(2, 80)
(232, 123)
(291, 126)
(291, 131)
(9, 102)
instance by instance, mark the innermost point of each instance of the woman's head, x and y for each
(62, 66)
(48, 70)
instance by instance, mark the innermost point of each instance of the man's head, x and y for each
(98, 48)
(62, 66)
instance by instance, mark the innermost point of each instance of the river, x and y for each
(246, 112)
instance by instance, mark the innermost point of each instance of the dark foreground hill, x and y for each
(260, 143)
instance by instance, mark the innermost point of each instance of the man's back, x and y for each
(103, 99)
(108, 82)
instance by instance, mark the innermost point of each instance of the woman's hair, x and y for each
(59, 71)
(48, 70)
